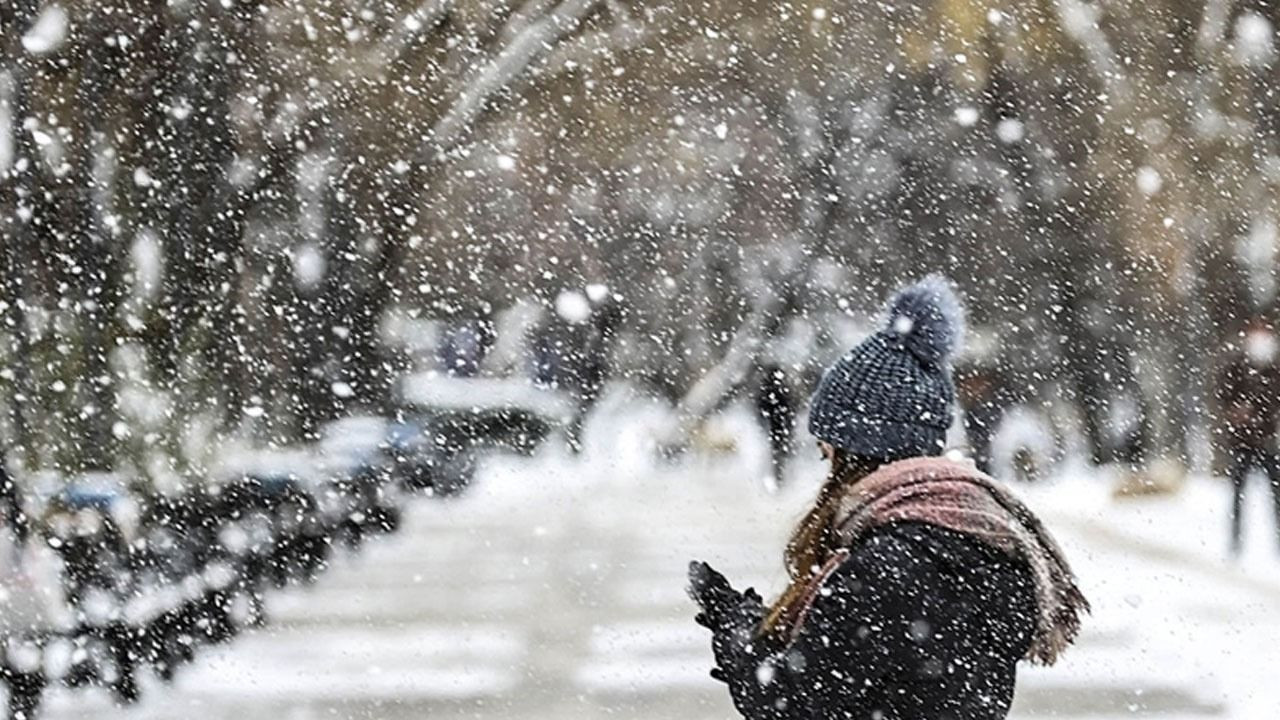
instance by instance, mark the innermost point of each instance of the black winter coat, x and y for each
(1250, 398)
(918, 623)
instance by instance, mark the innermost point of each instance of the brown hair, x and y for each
(814, 540)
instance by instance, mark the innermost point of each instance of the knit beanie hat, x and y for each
(891, 397)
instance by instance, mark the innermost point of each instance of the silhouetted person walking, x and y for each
(11, 512)
(1249, 392)
(979, 389)
(775, 405)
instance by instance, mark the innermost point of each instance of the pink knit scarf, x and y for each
(958, 497)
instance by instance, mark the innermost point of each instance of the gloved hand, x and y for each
(719, 603)
(731, 616)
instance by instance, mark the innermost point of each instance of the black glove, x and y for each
(731, 616)
(719, 603)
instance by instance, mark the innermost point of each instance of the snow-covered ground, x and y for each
(1179, 629)
(554, 590)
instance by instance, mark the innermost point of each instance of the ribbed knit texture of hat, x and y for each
(891, 397)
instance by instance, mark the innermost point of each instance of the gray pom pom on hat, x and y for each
(891, 397)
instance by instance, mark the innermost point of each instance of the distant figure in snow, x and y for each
(980, 388)
(572, 348)
(775, 404)
(917, 582)
(597, 349)
(465, 344)
(25, 686)
(11, 512)
(1249, 393)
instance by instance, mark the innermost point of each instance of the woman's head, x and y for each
(891, 397)
(887, 399)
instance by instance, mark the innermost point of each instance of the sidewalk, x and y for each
(1179, 629)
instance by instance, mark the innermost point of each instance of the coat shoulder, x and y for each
(947, 565)
(934, 543)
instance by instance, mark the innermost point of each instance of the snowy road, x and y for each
(554, 591)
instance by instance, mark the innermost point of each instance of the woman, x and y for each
(917, 583)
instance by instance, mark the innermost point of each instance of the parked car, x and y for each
(448, 420)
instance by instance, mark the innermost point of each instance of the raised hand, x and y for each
(722, 607)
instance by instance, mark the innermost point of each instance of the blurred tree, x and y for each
(1099, 179)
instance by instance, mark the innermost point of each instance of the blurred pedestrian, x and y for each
(572, 349)
(11, 510)
(917, 582)
(980, 388)
(465, 344)
(775, 406)
(1249, 393)
(21, 609)
(596, 354)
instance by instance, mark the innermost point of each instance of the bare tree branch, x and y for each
(624, 34)
(1213, 28)
(705, 396)
(1079, 21)
(423, 19)
(527, 46)
(523, 17)
(298, 126)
